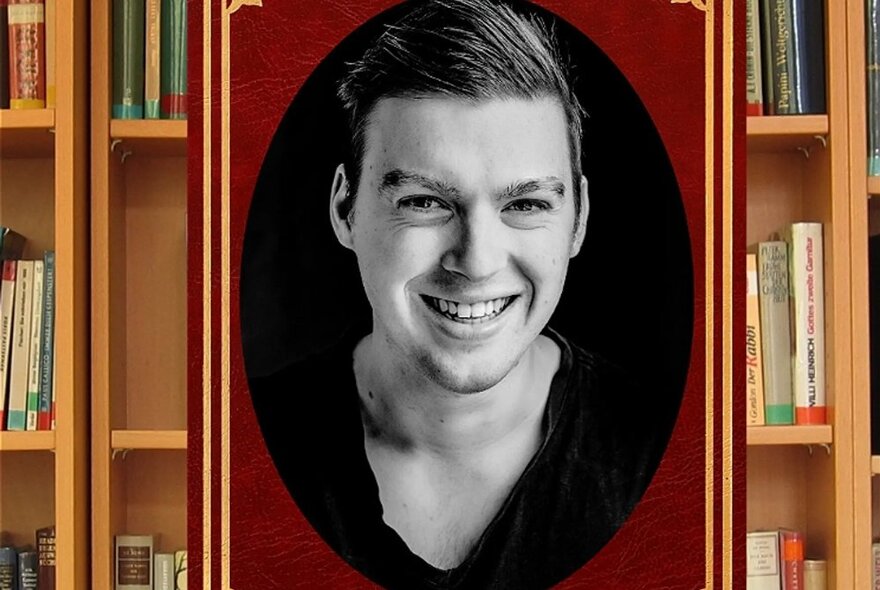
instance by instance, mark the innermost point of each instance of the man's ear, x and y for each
(581, 223)
(341, 208)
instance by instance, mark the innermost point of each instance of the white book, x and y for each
(7, 299)
(762, 561)
(33, 387)
(163, 571)
(807, 300)
(134, 562)
(21, 339)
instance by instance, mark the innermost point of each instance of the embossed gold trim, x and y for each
(225, 294)
(727, 295)
(206, 295)
(698, 4)
(709, 364)
(236, 4)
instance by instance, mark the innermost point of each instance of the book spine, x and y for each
(46, 557)
(47, 343)
(807, 62)
(151, 73)
(775, 331)
(8, 568)
(33, 383)
(21, 330)
(163, 568)
(754, 87)
(792, 560)
(806, 285)
(762, 561)
(134, 562)
(875, 573)
(180, 567)
(4, 54)
(27, 570)
(778, 49)
(128, 59)
(173, 59)
(27, 59)
(872, 61)
(50, 54)
(11, 244)
(754, 355)
(7, 301)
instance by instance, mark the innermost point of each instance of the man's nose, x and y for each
(478, 250)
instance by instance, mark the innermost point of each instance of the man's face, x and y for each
(463, 226)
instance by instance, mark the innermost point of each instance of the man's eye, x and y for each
(527, 206)
(421, 203)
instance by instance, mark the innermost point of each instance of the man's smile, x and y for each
(469, 313)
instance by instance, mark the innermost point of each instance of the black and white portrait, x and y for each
(466, 297)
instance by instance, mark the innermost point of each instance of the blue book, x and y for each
(8, 568)
(47, 343)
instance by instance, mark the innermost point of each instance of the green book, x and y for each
(173, 59)
(128, 59)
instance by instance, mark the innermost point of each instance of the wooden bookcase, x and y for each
(802, 477)
(43, 195)
(138, 307)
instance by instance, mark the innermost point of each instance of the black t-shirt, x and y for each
(594, 464)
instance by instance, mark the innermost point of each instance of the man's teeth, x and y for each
(472, 310)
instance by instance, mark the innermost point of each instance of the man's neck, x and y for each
(404, 410)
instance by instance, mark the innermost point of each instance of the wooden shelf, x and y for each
(150, 137)
(41, 440)
(784, 133)
(27, 133)
(789, 435)
(874, 185)
(875, 465)
(148, 439)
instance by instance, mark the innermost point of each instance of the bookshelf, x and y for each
(43, 195)
(138, 254)
(797, 170)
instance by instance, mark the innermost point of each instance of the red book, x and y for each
(792, 560)
(27, 54)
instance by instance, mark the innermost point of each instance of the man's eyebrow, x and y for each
(533, 185)
(397, 177)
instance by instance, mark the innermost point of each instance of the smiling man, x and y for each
(461, 443)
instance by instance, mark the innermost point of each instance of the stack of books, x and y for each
(26, 568)
(139, 567)
(775, 561)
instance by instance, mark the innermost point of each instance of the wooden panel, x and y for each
(27, 441)
(27, 495)
(27, 133)
(27, 202)
(147, 138)
(149, 439)
(875, 465)
(789, 435)
(156, 293)
(785, 133)
(775, 187)
(156, 496)
(776, 487)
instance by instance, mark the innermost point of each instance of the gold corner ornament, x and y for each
(236, 4)
(698, 4)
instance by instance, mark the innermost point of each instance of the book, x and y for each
(47, 343)
(27, 54)
(754, 86)
(7, 300)
(163, 571)
(762, 561)
(28, 565)
(134, 562)
(794, 56)
(180, 567)
(151, 60)
(754, 355)
(11, 244)
(815, 574)
(33, 382)
(173, 59)
(792, 545)
(128, 59)
(46, 557)
(875, 570)
(8, 568)
(807, 299)
(19, 346)
(4, 54)
(50, 54)
(775, 331)
(872, 63)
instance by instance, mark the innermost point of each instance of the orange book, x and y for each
(792, 543)
(27, 54)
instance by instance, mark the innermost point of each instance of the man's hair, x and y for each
(468, 49)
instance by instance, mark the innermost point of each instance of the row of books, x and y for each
(27, 54)
(149, 59)
(785, 57)
(139, 567)
(27, 337)
(775, 561)
(29, 568)
(785, 329)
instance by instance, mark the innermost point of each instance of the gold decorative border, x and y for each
(707, 6)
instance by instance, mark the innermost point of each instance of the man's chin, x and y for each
(467, 380)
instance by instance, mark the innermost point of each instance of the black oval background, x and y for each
(629, 293)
